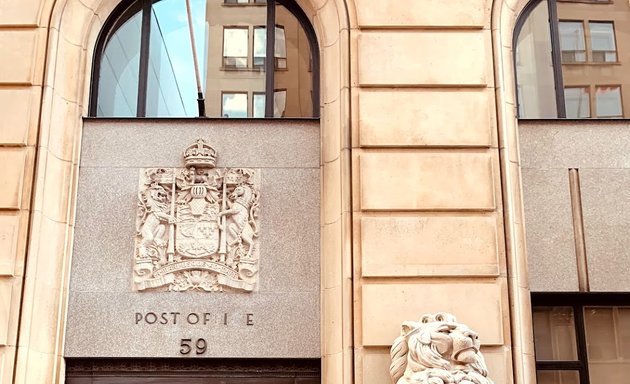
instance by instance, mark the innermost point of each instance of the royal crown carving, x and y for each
(437, 350)
(200, 154)
(198, 226)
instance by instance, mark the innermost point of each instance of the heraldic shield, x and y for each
(197, 226)
(197, 230)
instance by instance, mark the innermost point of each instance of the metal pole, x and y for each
(200, 101)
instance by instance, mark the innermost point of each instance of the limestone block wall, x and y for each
(22, 42)
(427, 202)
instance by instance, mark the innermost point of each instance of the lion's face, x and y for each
(158, 195)
(465, 344)
(441, 342)
(238, 191)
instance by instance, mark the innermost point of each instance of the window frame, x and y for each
(590, 42)
(223, 93)
(261, 67)
(577, 301)
(620, 100)
(257, 93)
(128, 8)
(575, 62)
(225, 67)
(586, 87)
(253, 103)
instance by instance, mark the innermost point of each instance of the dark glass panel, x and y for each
(558, 377)
(554, 333)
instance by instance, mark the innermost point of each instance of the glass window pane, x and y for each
(600, 335)
(572, 41)
(608, 101)
(554, 333)
(172, 84)
(293, 63)
(279, 103)
(260, 45)
(280, 45)
(259, 105)
(230, 49)
(577, 102)
(236, 33)
(603, 41)
(234, 105)
(606, 333)
(118, 77)
(534, 68)
(624, 332)
(235, 43)
(558, 377)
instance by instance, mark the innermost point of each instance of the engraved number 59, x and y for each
(186, 346)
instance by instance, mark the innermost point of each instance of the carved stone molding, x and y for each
(197, 227)
(437, 350)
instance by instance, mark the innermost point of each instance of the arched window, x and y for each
(206, 58)
(572, 59)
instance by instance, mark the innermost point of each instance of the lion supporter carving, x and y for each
(197, 227)
(437, 350)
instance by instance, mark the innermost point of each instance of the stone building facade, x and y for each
(421, 193)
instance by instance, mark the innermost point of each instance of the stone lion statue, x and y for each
(437, 350)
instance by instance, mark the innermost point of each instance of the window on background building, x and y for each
(258, 107)
(234, 105)
(581, 338)
(564, 52)
(280, 54)
(235, 44)
(577, 100)
(572, 41)
(162, 59)
(603, 45)
(260, 47)
(608, 101)
(280, 102)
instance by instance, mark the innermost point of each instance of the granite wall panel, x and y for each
(107, 318)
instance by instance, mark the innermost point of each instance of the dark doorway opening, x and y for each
(193, 371)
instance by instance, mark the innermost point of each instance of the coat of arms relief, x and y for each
(197, 227)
